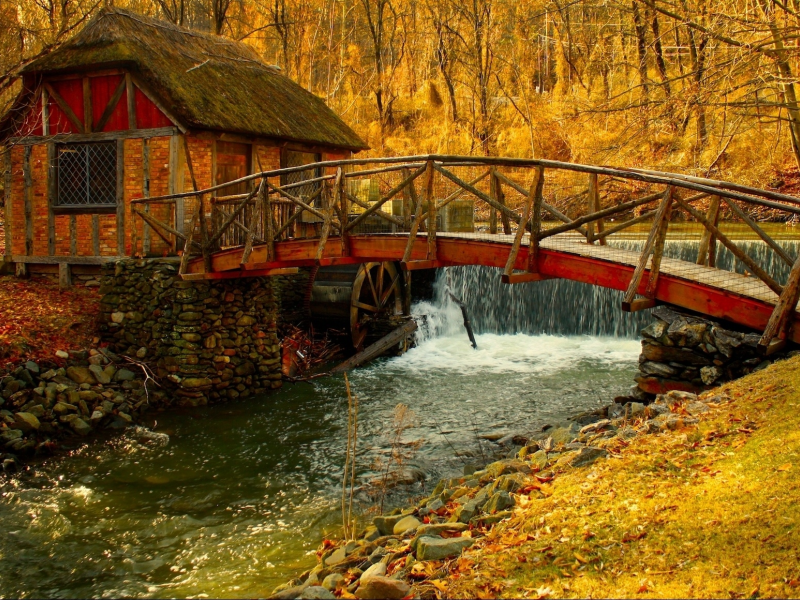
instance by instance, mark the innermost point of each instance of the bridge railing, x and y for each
(606, 212)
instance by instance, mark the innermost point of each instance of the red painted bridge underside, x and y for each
(453, 251)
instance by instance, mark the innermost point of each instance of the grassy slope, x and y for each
(707, 511)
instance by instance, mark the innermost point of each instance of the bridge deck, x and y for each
(735, 283)
(720, 294)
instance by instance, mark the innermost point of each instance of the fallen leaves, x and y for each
(37, 318)
(785, 467)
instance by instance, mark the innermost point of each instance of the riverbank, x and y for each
(685, 498)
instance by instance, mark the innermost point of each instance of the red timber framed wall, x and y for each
(139, 150)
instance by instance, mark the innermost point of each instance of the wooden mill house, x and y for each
(133, 107)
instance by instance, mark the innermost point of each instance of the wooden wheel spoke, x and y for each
(388, 292)
(368, 307)
(371, 284)
(381, 272)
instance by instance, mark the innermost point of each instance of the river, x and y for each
(231, 500)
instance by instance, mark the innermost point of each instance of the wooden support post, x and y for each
(131, 98)
(21, 271)
(96, 234)
(269, 225)
(146, 194)
(8, 210)
(536, 224)
(431, 210)
(629, 304)
(120, 197)
(64, 276)
(28, 198)
(777, 330)
(501, 200)
(526, 213)
(408, 206)
(87, 106)
(703, 256)
(73, 235)
(52, 190)
(204, 249)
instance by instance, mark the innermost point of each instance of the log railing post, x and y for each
(326, 223)
(783, 316)
(269, 224)
(536, 222)
(431, 210)
(536, 190)
(707, 240)
(187, 246)
(594, 206)
(630, 304)
(494, 183)
(408, 194)
(344, 210)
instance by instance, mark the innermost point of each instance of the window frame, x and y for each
(59, 208)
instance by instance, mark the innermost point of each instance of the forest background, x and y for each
(686, 85)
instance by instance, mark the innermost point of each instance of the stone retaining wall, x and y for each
(681, 351)
(214, 340)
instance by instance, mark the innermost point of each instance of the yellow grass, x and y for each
(707, 511)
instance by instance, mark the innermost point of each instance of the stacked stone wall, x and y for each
(682, 351)
(213, 340)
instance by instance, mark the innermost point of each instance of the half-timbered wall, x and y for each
(153, 158)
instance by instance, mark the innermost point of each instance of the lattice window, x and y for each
(293, 158)
(87, 175)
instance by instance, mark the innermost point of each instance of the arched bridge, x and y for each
(721, 249)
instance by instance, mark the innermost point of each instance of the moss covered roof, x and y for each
(206, 81)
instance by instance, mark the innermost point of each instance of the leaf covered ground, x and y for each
(37, 318)
(706, 511)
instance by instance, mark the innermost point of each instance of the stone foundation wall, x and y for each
(213, 340)
(292, 293)
(682, 351)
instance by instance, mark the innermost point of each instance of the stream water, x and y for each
(231, 500)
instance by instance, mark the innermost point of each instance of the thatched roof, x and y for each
(207, 82)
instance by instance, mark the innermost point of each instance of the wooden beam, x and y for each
(145, 194)
(70, 138)
(150, 96)
(227, 222)
(640, 219)
(392, 193)
(735, 250)
(494, 183)
(28, 199)
(340, 199)
(374, 350)
(87, 105)
(458, 192)
(297, 201)
(761, 233)
(417, 265)
(65, 108)
(73, 260)
(478, 194)
(552, 210)
(45, 117)
(131, 97)
(385, 216)
(523, 277)
(239, 274)
(158, 225)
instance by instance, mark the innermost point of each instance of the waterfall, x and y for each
(560, 306)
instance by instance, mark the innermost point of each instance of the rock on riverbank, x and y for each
(42, 404)
(404, 553)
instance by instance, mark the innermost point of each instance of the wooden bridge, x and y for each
(535, 219)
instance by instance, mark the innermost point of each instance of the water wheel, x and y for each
(356, 297)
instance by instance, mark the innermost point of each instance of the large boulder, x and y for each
(383, 587)
(436, 548)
